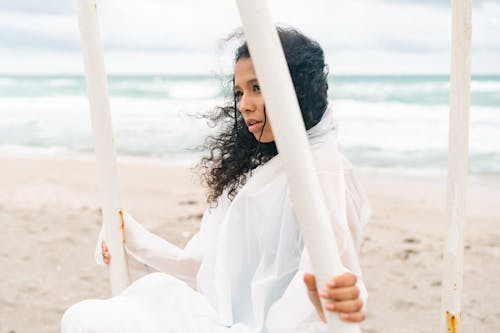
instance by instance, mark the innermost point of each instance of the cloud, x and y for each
(40, 31)
(387, 29)
(60, 7)
(442, 3)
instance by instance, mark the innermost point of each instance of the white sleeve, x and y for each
(349, 209)
(294, 312)
(146, 252)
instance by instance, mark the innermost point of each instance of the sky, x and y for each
(185, 37)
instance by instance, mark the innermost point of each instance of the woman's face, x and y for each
(250, 100)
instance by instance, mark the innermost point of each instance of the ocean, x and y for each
(386, 122)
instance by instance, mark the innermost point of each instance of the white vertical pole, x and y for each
(97, 91)
(457, 165)
(290, 135)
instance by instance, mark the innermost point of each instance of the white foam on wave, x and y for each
(62, 82)
(184, 89)
(145, 127)
(378, 134)
(5, 81)
(190, 90)
(385, 90)
(485, 86)
(385, 87)
(405, 128)
(388, 111)
(125, 86)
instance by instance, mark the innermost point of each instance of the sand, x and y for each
(49, 218)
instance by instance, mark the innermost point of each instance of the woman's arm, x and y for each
(347, 206)
(146, 252)
(298, 309)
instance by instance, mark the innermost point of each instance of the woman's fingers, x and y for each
(106, 256)
(340, 294)
(312, 292)
(355, 317)
(310, 282)
(345, 306)
(343, 280)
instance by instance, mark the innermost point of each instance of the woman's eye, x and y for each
(256, 87)
(237, 95)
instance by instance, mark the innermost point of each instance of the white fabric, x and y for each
(242, 272)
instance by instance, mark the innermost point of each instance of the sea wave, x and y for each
(159, 116)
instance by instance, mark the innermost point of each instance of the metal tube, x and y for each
(457, 165)
(291, 139)
(97, 91)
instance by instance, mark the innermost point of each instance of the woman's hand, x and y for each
(106, 256)
(341, 295)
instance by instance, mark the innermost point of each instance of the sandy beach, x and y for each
(49, 215)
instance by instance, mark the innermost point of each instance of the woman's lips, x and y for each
(254, 125)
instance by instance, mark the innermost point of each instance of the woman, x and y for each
(247, 263)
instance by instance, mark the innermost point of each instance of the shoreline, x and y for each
(485, 179)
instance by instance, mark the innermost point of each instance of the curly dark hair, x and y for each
(234, 152)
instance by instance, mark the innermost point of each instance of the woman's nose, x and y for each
(246, 104)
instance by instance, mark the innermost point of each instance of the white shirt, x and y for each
(248, 259)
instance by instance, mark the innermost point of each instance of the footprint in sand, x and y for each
(403, 305)
(190, 217)
(436, 284)
(411, 240)
(406, 253)
(188, 202)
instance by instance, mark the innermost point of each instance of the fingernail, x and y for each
(323, 294)
(331, 284)
(344, 315)
(330, 306)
